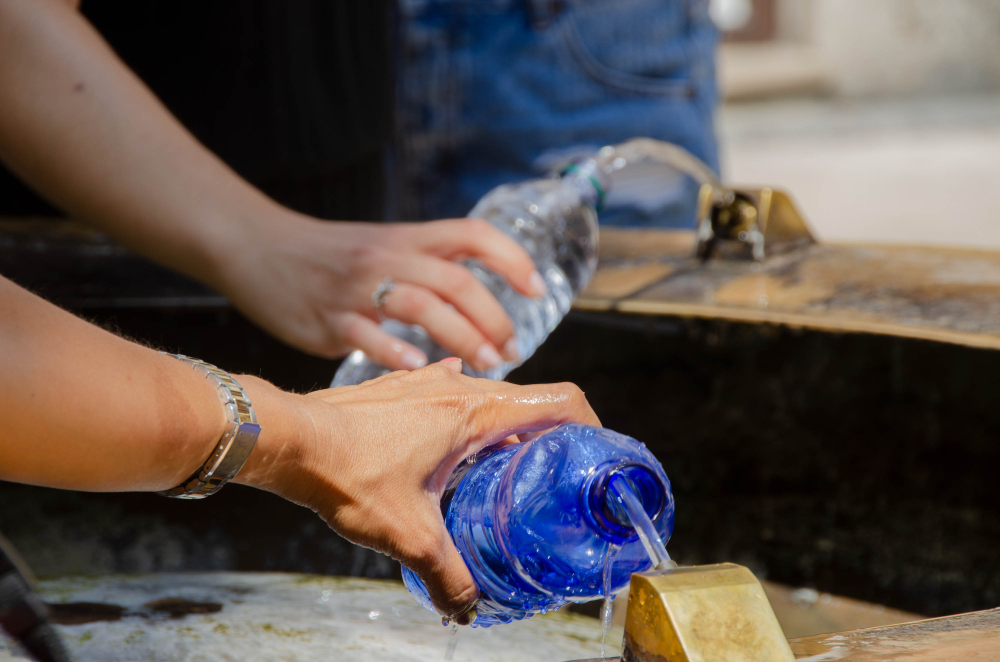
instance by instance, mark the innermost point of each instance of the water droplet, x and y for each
(373, 615)
(805, 597)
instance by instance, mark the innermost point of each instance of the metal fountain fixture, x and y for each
(711, 613)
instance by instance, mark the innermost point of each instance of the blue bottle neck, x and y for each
(612, 522)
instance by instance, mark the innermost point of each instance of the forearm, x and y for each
(83, 409)
(82, 129)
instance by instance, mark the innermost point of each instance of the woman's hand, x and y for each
(310, 283)
(373, 460)
(83, 409)
(80, 128)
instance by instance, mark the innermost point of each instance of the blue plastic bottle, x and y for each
(535, 522)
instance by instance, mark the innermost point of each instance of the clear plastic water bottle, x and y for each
(555, 220)
(538, 526)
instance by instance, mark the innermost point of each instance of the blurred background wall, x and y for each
(899, 47)
(882, 118)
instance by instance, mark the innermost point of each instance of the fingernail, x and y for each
(510, 350)
(413, 360)
(465, 617)
(487, 356)
(468, 617)
(453, 363)
(538, 286)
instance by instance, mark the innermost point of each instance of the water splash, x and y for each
(623, 493)
(449, 652)
(606, 611)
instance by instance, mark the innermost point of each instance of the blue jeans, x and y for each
(495, 91)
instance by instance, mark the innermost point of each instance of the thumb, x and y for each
(448, 580)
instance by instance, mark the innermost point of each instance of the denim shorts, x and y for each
(496, 91)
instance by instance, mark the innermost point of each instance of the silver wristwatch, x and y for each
(233, 449)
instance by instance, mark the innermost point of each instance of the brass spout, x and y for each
(711, 613)
(751, 224)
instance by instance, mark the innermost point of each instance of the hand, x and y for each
(376, 458)
(80, 128)
(310, 284)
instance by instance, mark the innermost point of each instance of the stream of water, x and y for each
(649, 537)
(449, 652)
(622, 491)
(606, 610)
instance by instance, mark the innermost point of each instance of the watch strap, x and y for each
(236, 443)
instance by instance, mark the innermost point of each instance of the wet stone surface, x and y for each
(276, 616)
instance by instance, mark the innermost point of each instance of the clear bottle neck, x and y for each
(589, 180)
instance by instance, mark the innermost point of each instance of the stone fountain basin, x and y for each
(281, 616)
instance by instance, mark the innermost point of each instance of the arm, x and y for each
(79, 127)
(83, 409)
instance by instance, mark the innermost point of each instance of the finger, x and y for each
(458, 286)
(412, 304)
(475, 237)
(525, 409)
(383, 348)
(433, 556)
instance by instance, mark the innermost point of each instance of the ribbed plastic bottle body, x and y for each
(555, 221)
(535, 525)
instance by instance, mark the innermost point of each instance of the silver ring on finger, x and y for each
(381, 292)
